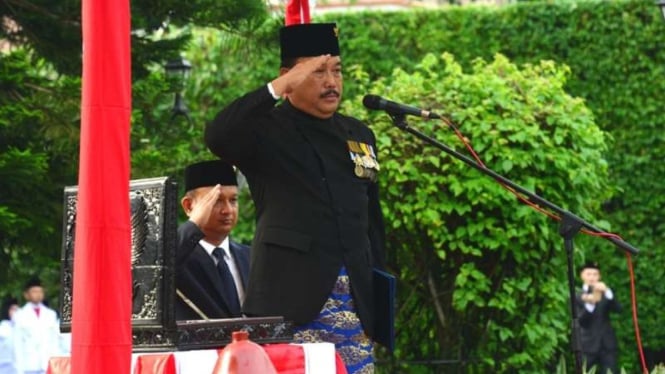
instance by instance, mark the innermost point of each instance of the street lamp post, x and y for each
(178, 70)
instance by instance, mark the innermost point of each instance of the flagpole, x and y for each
(101, 310)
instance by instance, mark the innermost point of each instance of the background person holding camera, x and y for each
(594, 304)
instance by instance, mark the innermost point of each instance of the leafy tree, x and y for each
(39, 104)
(471, 270)
(37, 124)
(482, 278)
(616, 59)
(616, 66)
(53, 31)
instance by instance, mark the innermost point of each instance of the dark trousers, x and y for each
(605, 361)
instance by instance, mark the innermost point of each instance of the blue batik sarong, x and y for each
(338, 323)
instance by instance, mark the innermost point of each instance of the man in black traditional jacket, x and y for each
(312, 173)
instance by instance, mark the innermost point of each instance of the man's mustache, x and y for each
(330, 91)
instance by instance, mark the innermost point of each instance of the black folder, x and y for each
(385, 285)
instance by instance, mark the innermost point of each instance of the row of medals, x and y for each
(364, 159)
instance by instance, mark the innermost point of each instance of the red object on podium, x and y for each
(242, 356)
(287, 358)
(155, 364)
(59, 365)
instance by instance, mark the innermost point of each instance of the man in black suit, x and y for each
(211, 270)
(594, 304)
(312, 172)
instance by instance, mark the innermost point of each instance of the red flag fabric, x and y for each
(297, 12)
(101, 312)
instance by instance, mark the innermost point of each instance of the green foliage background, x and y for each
(616, 60)
(463, 249)
(616, 65)
(40, 66)
(480, 273)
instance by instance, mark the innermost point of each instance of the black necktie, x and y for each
(228, 284)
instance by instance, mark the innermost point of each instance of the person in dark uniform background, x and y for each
(212, 271)
(312, 173)
(594, 305)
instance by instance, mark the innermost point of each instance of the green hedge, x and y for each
(616, 60)
(616, 53)
(478, 272)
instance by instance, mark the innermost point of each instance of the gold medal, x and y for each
(368, 161)
(359, 170)
(364, 159)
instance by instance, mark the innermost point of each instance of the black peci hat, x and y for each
(32, 282)
(7, 302)
(590, 265)
(309, 40)
(209, 173)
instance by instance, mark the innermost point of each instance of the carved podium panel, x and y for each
(154, 207)
(153, 228)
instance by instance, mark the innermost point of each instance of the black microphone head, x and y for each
(372, 101)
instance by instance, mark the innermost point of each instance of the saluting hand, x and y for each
(202, 209)
(288, 81)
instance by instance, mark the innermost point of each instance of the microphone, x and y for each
(378, 103)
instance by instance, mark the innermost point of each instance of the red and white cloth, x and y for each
(312, 358)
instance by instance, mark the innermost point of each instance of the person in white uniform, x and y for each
(36, 332)
(9, 308)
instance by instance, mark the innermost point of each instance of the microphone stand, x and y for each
(569, 227)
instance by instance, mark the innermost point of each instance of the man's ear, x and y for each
(186, 203)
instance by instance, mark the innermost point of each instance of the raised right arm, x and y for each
(231, 135)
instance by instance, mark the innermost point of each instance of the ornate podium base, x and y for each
(215, 333)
